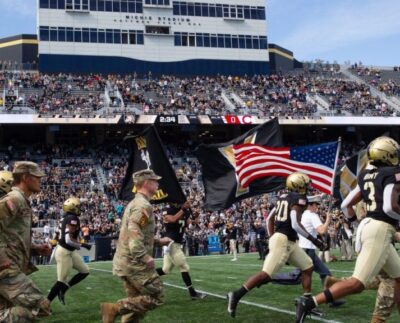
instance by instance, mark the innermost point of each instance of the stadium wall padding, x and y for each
(121, 65)
(103, 249)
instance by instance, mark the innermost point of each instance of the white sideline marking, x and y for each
(206, 264)
(260, 266)
(267, 307)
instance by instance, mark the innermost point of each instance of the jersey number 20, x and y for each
(282, 207)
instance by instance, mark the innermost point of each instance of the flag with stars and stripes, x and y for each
(317, 161)
(218, 164)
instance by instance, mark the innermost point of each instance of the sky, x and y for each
(331, 30)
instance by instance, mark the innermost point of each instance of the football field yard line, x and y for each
(260, 266)
(236, 264)
(271, 308)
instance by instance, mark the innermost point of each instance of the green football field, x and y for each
(215, 275)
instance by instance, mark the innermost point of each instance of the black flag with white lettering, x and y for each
(147, 152)
(218, 163)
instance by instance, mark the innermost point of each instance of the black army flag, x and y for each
(147, 152)
(218, 167)
(346, 177)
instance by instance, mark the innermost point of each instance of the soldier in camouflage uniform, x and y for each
(385, 296)
(384, 299)
(20, 300)
(133, 262)
(6, 181)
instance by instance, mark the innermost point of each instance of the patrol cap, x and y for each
(314, 199)
(22, 167)
(145, 174)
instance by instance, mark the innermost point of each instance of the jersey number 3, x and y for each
(369, 186)
(282, 210)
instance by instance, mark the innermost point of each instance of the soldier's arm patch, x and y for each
(144, 220)
(11, 207)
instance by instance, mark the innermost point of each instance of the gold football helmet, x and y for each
(298, 182)
(383, 150)
(6, 181)
(72, 205)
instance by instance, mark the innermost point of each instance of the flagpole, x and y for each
(336, 164)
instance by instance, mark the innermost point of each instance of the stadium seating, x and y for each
(263, 95)
(95, 175)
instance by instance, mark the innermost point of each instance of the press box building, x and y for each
(196, 37)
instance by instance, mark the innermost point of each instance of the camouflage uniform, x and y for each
(136, 240)
(384, 299)
(20, 300)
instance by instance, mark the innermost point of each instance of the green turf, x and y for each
(215, 274)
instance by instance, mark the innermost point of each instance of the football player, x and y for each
(6, 182)
(284, 225)
(67, 256)
(175, 220)
(232, 232)
(379, 187)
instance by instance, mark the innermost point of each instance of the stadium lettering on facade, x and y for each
(150, 18)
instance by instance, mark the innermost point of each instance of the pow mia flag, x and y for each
(218, 163)
(147, 152)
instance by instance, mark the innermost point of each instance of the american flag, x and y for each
(317, 161)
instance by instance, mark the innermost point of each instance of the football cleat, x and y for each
(232, 304)
(199, 296)
(303, 309)
(61, 296)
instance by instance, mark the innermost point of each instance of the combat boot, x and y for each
(44, 309)
(109, 312)
(377, 319)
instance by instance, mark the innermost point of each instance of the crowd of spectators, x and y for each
(262, 95)
(68, 175)
(71, 172)
(385, 81)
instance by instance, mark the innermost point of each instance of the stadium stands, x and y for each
(95, 175)
(262, 95)
(387, 81)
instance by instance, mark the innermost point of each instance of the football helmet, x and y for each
(6, 181)
(298, 182)
(72, 205)
(383, 150)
